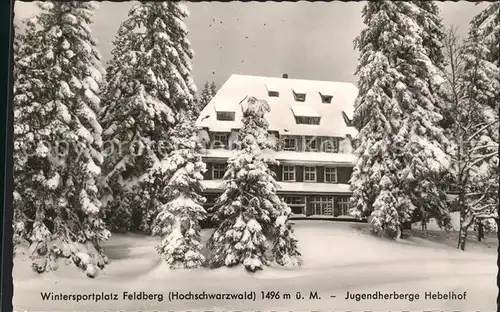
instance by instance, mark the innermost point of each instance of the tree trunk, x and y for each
(480, 231)
(462, 234)
(399, 232)
(424, 225)
(423, 221)
(403, 226)
(462, 238)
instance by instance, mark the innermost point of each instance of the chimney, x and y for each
(285, 76)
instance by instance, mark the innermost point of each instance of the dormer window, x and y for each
(224, 110)
(302, 120)
(305, 114)
(272, 91)
(326, 98)
(225, 116)
(299, 96)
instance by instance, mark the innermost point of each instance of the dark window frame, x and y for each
(226, 116)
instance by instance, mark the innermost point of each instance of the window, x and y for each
(296, 203)
(220, 140)
(299, 97)
(288, 173)
(311, 144)
(225, 116)
(309, 174)
(307, 120)
(343, 204)
(218, 170)
(330, 145)
(294, 200)
(326, 98)
(321, 205)
(290, 144)
(330, 175)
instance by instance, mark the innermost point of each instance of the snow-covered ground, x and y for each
(338, 257)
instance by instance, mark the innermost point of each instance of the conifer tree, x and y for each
(150, 88)
(16, 42)
(213, 89)
(178, 219)
(58, 139)
(19, 217)
(204, 97)
(249, 211)
(433, 37)
(433, 31)
(208, 92)
(486, 24)
(400, 153)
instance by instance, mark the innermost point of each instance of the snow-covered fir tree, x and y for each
(208, 92)
(486, 23)
(249, 212)
(19, 218)
(16, 41)
(57, 139)
(473, 81)
(213, 89)
(400, 154)
(433, 35)
(433, 31)
(178, 219)
(204, 97)
(149, 89)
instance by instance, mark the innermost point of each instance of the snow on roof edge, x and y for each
(295, 187)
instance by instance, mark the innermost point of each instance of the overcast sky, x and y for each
(307, 40)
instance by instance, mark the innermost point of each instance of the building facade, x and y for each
(310, 122)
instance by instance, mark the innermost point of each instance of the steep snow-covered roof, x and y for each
(326, 92)
(271, 87)
(224, 106)
(281, 117)
(299, 89)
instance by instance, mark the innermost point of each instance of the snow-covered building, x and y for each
(311, 123)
